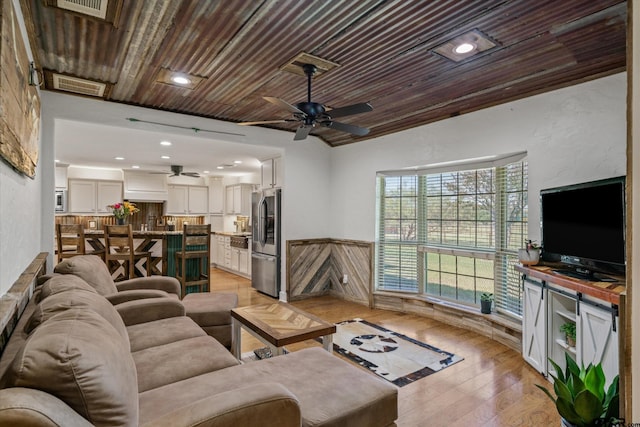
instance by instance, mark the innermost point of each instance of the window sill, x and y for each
(500, 328)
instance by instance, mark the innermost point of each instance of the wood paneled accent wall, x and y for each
(317, 266)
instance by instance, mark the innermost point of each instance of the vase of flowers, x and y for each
(123, 210)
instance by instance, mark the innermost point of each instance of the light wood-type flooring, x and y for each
(492, 386)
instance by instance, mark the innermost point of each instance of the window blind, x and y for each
(454, 234)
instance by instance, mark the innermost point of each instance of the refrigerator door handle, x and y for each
(263, 221)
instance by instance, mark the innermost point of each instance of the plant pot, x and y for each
(565, 423)
(485, 307)
(120, 221)
(571, 342)
(529, 257)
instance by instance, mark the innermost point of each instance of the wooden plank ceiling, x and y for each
(384, 50)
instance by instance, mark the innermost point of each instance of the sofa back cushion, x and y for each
(78, 357)
(62, 283)
(77, 299)
(92, 270)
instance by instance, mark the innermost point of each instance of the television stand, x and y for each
(585, 275)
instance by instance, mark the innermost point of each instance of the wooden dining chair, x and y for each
(71, 242)
(192, 260)
(118, 242)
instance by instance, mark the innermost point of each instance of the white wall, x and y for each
(571, 135)
(21, 208)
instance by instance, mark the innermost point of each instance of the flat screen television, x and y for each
(583, 227)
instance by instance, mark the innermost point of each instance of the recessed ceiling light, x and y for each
(119, 158)
(237, 162)
(219, 167)
(57, 161)
(465, 45)
(135, 167)
(180, 79)
(205, 172)
(165, 157)
(464, 48)
(166, 143)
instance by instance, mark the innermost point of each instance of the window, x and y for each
(453, 234)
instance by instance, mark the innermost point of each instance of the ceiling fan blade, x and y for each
(160, 173)
(363, 107)
(302, 133)
(343, 127)
(191, 174)
(284, 105)
(266, 122)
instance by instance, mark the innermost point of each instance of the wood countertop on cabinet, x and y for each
(606, 291)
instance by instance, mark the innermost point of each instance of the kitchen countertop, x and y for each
(232, 233)
(138, 233)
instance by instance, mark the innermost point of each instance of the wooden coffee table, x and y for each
(279, 324)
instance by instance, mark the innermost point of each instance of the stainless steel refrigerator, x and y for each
(265, 243)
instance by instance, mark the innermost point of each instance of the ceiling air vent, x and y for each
(78, 85)
(294, 65)
(96, 8)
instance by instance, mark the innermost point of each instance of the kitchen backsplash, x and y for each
(150, 214)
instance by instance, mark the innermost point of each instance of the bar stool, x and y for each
(70, 239)
(195, 247)
(118, 242)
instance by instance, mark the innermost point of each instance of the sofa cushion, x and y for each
(63, 283)
(78, 357)
(331, 392)
(163, 331)
(92, 269)
(77, 299)
(177, 361)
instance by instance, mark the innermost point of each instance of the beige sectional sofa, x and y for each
(76, 359)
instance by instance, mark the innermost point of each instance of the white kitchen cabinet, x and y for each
(213, 250)
(187, 200)
(243, 261)
(238, 199)
(198, 200)
(216, 196)
(82, 196)
(271, 173)
(232, 259)
(61, 177)
(178, 199)
(220, 250)
(89, 196)
(145, 186)
(235, 259)
(108, 194)
(549, 305)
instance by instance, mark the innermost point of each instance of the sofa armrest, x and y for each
(30, 407)
(134, 294)
(264, 405)
(164, 283)
(148, 310)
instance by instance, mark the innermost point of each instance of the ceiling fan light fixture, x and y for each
(465, 45)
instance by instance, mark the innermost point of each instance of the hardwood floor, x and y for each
(492, 386)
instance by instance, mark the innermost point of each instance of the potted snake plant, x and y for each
(581, 397)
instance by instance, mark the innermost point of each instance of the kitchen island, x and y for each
(162, 245)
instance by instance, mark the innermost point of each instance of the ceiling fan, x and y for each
(312, 114)
(176, 170)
